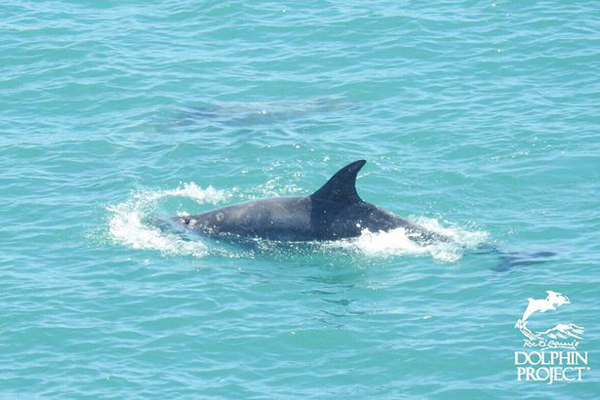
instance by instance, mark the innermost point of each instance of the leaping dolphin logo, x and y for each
(553, 300)
(550, 303)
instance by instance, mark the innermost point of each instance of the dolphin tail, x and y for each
(510, 260)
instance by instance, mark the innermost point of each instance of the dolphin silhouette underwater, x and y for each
(333, 212)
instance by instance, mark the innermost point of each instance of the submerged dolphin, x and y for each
(252, 114)
(335, 211)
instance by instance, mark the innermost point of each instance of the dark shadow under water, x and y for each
(251, 114)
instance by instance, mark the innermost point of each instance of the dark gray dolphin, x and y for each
(335, 211)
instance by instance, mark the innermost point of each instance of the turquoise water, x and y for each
(478, 120)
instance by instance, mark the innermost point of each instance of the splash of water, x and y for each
(397, 242)
(127, 226)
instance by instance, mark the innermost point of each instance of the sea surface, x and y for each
(478, 119)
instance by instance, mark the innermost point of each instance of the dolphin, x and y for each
(252, 114)
(333, 212)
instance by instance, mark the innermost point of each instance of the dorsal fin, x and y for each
(341, 187)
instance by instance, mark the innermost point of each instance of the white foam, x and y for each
(397, 243)
(126, 220)
(190, 190)
(463, 237)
